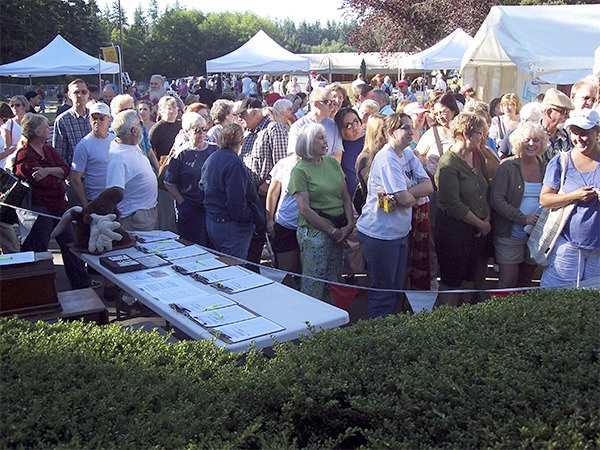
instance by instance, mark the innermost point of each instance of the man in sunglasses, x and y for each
(321, 104)
(556, 108)
(72, 125)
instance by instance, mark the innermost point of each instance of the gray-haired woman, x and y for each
(40, 164)
(182, 177)
(326, 218)
(222, 114)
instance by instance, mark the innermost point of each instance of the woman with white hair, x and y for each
(284, 108)
(222, 114)
(326, 218)
(515, 197)
(182, 177)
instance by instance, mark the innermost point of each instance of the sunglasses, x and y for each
(561, 111)
(16, 105)
(199, 130)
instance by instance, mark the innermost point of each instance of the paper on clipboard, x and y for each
(247, 329)
(153, 236)
(235, 285)
(17, 258)
(159, 246)
(182, 252)
(145, 276)
(172, 289)
(198, 305)
(198, 265)
(226, 273)
(223, 316)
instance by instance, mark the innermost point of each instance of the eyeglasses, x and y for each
(16, 105)
(326, 102)
(561, 111)
(198, 130)
(354, 123)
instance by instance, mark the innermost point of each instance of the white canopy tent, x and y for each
(259, 55)
(517, 48)
(59, 57)
(597, 62)
(446, 54)
(349, 63)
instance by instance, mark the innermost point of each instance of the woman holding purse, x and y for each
(576, 254)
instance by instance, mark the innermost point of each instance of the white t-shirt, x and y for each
(131, 171)
(428, 146)
(286, 214)
(15, 135)
(334, 139)
(414, 171)
(387, 175)
(91, 157)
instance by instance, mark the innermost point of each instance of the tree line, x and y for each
(176, 42)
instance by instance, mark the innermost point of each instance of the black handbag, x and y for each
(13, 191)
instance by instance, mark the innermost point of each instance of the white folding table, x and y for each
(285, 306)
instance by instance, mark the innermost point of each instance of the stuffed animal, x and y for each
(96, 225)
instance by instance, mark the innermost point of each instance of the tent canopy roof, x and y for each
(349, 63)
(59, 57)
(446, 54)
(554, 43)
(259, 55)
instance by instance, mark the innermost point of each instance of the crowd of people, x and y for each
(336, 182)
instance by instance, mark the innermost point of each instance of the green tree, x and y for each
(174, 44)
(405, 25)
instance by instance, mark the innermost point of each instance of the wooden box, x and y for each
(28, 289)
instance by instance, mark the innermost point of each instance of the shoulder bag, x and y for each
(550, 224)
(13, 191)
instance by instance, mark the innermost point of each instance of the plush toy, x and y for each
(97, 228)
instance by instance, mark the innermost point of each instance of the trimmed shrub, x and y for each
(521, 372)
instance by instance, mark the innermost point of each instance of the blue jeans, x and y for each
(39, 239)
(231, 238)
(569, 265)
(191, 223)
(386, 266)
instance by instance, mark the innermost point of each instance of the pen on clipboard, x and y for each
(5, 258)
(210, 308)
(219, 316)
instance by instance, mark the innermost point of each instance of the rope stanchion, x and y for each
(364, 288)
(36, 213)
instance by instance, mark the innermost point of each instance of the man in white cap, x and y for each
(556, 106)
(90, 158)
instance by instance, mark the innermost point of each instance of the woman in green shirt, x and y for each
(463, 218)
(326, 218)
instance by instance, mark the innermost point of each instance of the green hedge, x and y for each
(521, 372)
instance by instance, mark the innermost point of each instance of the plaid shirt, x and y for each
(69, 128)
(262, 148)
(561, 143)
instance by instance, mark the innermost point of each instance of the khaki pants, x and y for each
(141, 220)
